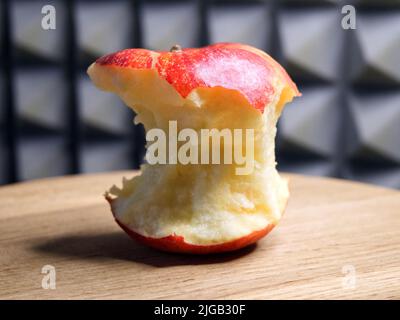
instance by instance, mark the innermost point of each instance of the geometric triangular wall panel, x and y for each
(29, 38)
(378, 3)
(106, 156)
(385, 176)
(42, 157)
(378, 39)
(311, 42)
(375, 123)
(3, 160)
(169, 23)
(103, 27)
(346, 123)
(1, 30)
(249, 24)
(102, 111)
(313, 168)
(2, 101)
(312, 123)
(40, 98)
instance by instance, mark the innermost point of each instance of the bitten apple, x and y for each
(200, 208)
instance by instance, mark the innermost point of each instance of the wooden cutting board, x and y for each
(337, 240)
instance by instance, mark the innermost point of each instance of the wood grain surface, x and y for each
(337, 240)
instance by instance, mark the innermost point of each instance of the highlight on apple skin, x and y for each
(200, 209)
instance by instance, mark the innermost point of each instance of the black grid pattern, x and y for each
(54, 122)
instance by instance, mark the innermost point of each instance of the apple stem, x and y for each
(175, 48)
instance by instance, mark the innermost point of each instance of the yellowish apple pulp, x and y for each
(206, 204)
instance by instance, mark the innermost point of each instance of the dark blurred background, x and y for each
(54, 122)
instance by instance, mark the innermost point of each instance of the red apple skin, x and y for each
(230, 65)
(177, 244)
(276, 66)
